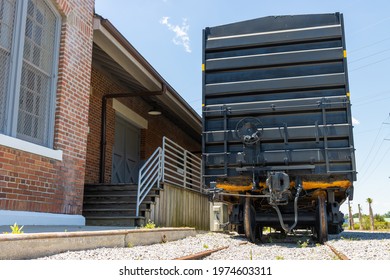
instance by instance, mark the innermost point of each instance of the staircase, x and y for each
(129, 204)
(115, 205)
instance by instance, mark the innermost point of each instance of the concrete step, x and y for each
(109, 186)
(131, 193)
(88, 209)
(114, 204)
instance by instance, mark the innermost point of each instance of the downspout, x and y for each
(103, 141)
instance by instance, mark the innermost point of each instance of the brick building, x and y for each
(61, 65)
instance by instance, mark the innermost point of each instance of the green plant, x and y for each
(279, 258)
(335, 258)
(205, 246)
(150, 225)
(130, 245)
(382, 225)
(267, 230)
(303, 244)
(15, 229)
(250, 255)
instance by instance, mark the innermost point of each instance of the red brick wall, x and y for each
(151, 138)
(100, 85)
(30, 182)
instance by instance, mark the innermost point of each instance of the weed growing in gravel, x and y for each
(150, 225)
(130, 245)
(205, 246)
(303, 244)
(250, 254)
(15, 229)
(335, 258)
(350, 238)
(279, 258)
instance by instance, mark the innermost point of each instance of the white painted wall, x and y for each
(36, 218)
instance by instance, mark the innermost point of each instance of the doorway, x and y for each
(126, 152)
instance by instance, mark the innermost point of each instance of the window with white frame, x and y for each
(29, 46)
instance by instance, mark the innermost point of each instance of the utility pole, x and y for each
(360, 217)
(351, 224)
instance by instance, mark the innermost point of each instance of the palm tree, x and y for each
(369, 201)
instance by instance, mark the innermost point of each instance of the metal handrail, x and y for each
(180, 167)
(149, 176)
(170, 164)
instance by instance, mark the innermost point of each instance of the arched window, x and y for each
(29, 47)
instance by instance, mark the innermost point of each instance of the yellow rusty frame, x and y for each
(307, 185)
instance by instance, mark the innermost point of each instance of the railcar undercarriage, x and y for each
(285, 206)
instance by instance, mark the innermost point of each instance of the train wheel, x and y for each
(249, 220)
(321, 220)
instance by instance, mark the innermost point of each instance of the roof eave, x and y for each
(116, 45)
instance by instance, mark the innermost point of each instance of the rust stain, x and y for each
(324, 185)
(307, 185)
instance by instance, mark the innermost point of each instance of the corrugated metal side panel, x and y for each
(289, 75)
(179, 207)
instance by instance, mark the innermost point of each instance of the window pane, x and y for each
(33, 106)
(37, 74)
(40, 35)
(7, 18)
(7, 21)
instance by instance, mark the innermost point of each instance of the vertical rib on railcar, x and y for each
(277, 117)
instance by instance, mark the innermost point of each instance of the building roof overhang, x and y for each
(114, 54)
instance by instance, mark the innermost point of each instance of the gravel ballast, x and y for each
(355, 245)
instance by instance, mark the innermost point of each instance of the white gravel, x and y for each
(363, 245)
(355, 245)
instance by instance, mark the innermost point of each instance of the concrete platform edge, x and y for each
(36, 245)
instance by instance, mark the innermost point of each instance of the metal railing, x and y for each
(149, 176)
(180, 167)
(170, 164)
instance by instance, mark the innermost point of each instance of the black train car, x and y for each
(277, 125)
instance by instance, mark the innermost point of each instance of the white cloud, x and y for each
(355, 121)
(181, 33)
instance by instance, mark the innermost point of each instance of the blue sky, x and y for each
(168, 33)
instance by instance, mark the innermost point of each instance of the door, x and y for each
(125, 160)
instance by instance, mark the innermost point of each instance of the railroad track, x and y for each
(299, 246)
(204, 254)
(339, 254)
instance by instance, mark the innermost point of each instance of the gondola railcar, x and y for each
(277, 125)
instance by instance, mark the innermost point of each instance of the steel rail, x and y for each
(201, 255)
(340, 255)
